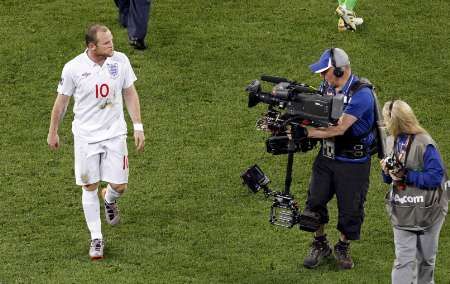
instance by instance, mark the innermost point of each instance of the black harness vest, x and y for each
(353, 147)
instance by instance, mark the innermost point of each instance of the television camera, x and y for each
(291, 106)
(299, 100)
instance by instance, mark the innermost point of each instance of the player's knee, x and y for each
(119, 187)
(91, 187)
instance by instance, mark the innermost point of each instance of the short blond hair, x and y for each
(400, 118)
(91, 33)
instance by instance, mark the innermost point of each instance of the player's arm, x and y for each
(344, 123)
(131, 99)
(58, 111)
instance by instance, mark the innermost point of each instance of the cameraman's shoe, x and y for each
(319, 250)
(348, 17)
(342, 255)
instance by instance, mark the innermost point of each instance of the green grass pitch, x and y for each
(186, 216)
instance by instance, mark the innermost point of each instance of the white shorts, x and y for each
(101, 161)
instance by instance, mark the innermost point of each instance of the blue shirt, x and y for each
(361, 106)
(430, 176)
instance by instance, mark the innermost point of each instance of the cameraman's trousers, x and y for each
(349, 182)
(415, 255)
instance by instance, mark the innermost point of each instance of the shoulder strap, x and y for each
(379, 125)
(358, 85)
(408, 147)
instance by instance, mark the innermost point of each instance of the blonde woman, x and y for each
(416, 202)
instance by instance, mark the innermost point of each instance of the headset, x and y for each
(391, 105)
(338, 71)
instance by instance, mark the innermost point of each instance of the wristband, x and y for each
(138, 127)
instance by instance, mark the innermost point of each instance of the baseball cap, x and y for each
(340, 59)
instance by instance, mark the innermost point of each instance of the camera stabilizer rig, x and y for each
(284, 211)
(291, 106)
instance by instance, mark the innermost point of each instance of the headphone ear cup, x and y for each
(338, 72)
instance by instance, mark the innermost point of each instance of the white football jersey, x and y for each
(97, 91)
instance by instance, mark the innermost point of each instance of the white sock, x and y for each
(91, 208)
(111, 195)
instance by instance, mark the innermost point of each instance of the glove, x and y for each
(300, 133)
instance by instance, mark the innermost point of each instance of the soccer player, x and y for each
(347, 18)
(99, 79)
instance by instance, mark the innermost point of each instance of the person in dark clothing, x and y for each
(342, 166)
(134, 15)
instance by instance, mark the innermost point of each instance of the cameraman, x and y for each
(415, 202)
(342, 166)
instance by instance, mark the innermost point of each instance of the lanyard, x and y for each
(401, 149)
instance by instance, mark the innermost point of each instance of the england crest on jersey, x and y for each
(113, 69)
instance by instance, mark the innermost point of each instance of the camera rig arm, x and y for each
(284, 211)
(290, 106)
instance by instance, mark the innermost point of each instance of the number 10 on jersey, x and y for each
(101, 91)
